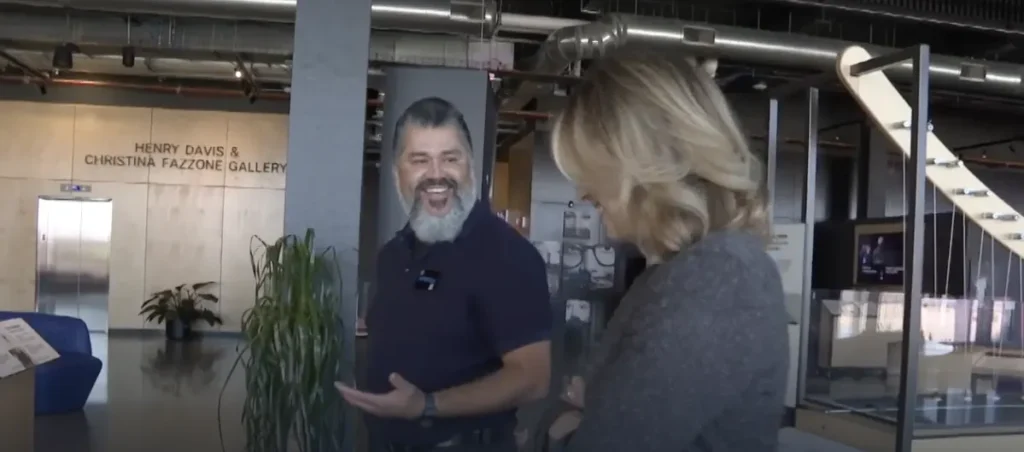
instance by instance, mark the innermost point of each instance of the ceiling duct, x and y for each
(891, 10)
(174, 68)
(750, 46)
(459, 17)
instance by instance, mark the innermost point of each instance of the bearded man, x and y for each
(461, 320)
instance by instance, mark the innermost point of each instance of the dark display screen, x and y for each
(880, 259)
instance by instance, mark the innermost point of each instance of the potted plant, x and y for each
(181, 307)
(293, 349)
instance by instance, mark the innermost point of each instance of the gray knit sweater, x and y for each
(695, 358)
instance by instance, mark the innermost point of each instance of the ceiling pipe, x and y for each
(750, 46)
(522, 23)
(110, 64)
(218, 70)
(183, 90)
(459, 17)
(39, 76)
(848, 8)
(208, 91)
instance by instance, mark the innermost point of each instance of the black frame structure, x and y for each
(920, 57)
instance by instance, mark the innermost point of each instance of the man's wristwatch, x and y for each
(429, 407)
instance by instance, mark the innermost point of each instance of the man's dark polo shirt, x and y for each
(491, 297)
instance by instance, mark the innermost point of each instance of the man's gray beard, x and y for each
(433, 229)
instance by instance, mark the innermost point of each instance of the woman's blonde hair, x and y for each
(653, 140)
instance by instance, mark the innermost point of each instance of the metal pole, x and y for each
(864, 171)
(773, 155)
(809, 203)
(913, 253)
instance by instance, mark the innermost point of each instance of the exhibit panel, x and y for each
(787, 249)
(170, 224)
(587, 290)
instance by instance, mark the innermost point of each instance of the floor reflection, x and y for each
(154, 395)
(163, 397)
(991, 401)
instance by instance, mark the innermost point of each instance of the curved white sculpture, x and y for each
(891, 114)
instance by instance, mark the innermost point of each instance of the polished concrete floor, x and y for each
(155, 396)
(161, 396)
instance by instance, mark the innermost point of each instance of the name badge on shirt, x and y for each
(427, 280)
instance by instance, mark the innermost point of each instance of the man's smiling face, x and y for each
(433, 166)
(435, 180)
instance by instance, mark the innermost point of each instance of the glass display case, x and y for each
(971, 364)
(586, 280)
(588, 289)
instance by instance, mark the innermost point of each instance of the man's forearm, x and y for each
(505, 389)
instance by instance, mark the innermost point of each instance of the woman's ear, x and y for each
(708, 65)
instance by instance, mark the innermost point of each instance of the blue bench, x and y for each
(62, 385)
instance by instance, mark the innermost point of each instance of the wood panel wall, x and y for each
(173, 223)
(512, 192)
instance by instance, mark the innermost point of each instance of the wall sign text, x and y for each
(186, 157)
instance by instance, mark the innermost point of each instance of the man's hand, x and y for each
(565, 424)
(574, 392)
(406, 401)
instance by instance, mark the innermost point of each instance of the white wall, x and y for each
(171, 225)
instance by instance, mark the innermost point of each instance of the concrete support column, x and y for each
(872, 173)
(326, 136)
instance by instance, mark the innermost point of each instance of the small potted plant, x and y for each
(181, 307)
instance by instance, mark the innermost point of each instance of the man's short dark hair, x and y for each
(432, 112)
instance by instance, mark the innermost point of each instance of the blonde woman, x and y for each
(695, 357)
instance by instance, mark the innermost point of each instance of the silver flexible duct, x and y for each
(758, 47)
(459, 17)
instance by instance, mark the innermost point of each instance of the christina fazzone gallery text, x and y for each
(186, 157)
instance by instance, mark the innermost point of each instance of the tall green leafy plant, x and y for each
(293, 349)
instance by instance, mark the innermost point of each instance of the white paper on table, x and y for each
(21, 342)
(9, 365)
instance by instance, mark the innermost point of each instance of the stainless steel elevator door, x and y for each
(73, 258)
